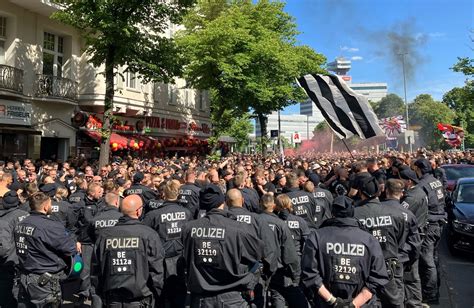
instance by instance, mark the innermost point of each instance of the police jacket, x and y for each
(169, 221)
(435, 191)
(146, 193)
(153, 204)
(77, 197)
(128, 261)
(220, 255)
(251, 200)
(344, 258)
(288, 272)
(324, 196)
(63, 212)
(189, 198)
(42, 244)
(385, 223)
(106, 219)
(86, 214)
(416, 201)
(411, 250)
(253, 223)
(9, 219)
(304, 206)
(440, 174)
(298, 227)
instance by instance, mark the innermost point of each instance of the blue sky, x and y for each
(433, 32)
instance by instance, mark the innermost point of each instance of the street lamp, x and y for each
(405, 88)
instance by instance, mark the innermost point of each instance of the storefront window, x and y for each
(13, 145)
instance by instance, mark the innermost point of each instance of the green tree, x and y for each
(126, 33)
(427, 113)
(240, 129)
(390, 106)
(247, 56)
(322, 126)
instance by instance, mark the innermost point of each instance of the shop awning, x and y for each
(114, 138)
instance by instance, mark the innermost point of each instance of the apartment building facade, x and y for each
(45, 79)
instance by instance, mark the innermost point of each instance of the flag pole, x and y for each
(344, 141)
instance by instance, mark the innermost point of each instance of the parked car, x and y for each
(460, 210)
(456, 171)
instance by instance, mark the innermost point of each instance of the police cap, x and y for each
(10, 200)
(313, 177)
(424, 165)
(210, 197)
(343, 206)
(138, 177)
(408, 174)
(369, 186)
(49, 189)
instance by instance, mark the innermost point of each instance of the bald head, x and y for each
(132, 206)
(234, 198)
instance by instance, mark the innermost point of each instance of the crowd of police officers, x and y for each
(371, 242)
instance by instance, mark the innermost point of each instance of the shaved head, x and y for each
(132, 206)
(234, 198)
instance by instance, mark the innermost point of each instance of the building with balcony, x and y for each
(45, 79)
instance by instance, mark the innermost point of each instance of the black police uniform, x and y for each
(107, 218)
(306, 207)
(146, 193)
(251, 200)
(42, 246)
(387, 225)
(128, 264)
(153, 204)
(63, 212)
(284, 284)
(169, 221)
(10, 216)
(221, 258)
(298, 227)
(77, 197)
(189, 198)
(409, 256)
(323, 195)
(345, 259)
(253, 223)
(416, 201)
(429, 263)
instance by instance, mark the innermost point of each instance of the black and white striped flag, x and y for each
(346, 112)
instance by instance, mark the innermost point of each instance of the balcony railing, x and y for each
(11, 78)
(55, 87)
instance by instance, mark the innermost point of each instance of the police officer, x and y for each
(341, 263)
(304, 204)
(61, 210)
(168, 221)
(253, 223)
(410, 254)
(93, 204)
(107, 218)
(137, 188)
(429, 265)
(387, 225)
(42, 245)
(189, 193)
(10, 216)
(221, 256)
(415, 198)
(298, 227)
(320, 193)
(284, 284)
(128, 260)
(80, 194)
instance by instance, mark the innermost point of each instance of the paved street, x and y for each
(457, 290)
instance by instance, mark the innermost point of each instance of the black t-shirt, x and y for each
(339, 187)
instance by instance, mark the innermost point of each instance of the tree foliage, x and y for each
(427, 113)
(239, 129)
(246, 54)
(389, 106)
(126, 33)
